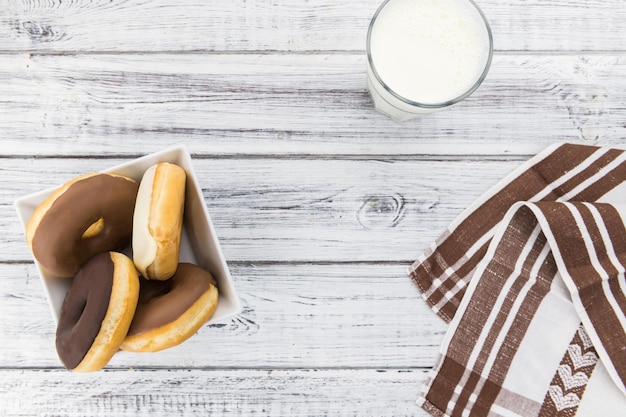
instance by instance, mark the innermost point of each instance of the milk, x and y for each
(426, 54)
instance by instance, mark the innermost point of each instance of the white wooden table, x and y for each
(320, 203)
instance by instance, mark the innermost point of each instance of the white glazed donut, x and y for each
(158, 221)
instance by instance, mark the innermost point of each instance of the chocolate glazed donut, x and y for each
(97, 312)
(169, 312)
(88, 215)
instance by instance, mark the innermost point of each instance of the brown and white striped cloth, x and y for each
(531, 278)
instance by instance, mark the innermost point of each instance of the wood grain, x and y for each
(319, 202)
(241, 105)
(284, 25)
(295, 316)
(296, 210)
(212, 392)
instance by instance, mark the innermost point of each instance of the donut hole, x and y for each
(80, 311)
(75, 314)
(151, 290)
(94, 229)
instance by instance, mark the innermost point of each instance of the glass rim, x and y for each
(447, 103)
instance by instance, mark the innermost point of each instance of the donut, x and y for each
(171, 311)
(158, 221)
(97, 312)
(87, 215)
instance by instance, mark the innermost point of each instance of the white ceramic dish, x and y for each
(199, 244)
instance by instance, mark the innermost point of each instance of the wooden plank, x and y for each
(296, 210)
(284, 25)
(294, 105)
(212, 392)
(295, 316)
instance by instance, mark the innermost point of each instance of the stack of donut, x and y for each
(146, 304)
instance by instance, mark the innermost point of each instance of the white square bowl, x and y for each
(199, 244)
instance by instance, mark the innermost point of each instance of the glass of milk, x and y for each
(426, 55)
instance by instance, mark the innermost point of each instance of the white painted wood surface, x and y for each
(285, 25)
(319, 202)
(297, 104)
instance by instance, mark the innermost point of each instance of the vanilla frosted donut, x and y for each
(97, 312)
(171, 311)
(158, 221)
(90, 214)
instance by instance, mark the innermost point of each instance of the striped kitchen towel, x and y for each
(531, 278)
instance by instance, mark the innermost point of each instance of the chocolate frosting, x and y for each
(162, 302)
(58, 243)
(84, 309)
